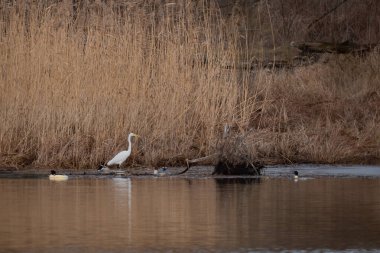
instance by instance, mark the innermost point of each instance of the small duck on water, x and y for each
(160, 172)
(54, 177)
(104, 170)
(295, 176)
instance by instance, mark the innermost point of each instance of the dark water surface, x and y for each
(189, 215)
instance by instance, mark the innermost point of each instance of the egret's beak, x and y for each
(136, 135)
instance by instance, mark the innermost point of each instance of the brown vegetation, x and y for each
(74, 86)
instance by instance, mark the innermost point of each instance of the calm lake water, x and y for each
(190, 215)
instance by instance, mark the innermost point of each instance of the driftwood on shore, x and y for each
(189, 163)
(224, 167)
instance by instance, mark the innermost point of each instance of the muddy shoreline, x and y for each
(198, 172)
(201, 171)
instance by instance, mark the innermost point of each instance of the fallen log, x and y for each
(197, 160)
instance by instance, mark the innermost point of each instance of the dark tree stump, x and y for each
(244, 168)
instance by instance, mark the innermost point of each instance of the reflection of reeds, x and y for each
(72, 91)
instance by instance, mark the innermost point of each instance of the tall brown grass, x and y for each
(72, 90)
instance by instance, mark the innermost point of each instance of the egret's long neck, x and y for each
(129, 143)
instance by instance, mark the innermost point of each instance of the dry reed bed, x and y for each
(70, 94)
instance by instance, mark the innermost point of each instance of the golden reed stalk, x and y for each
(72, 90)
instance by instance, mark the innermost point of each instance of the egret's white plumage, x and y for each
(123, 155)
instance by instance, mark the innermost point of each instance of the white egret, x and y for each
(123, 155)
(54, 177)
